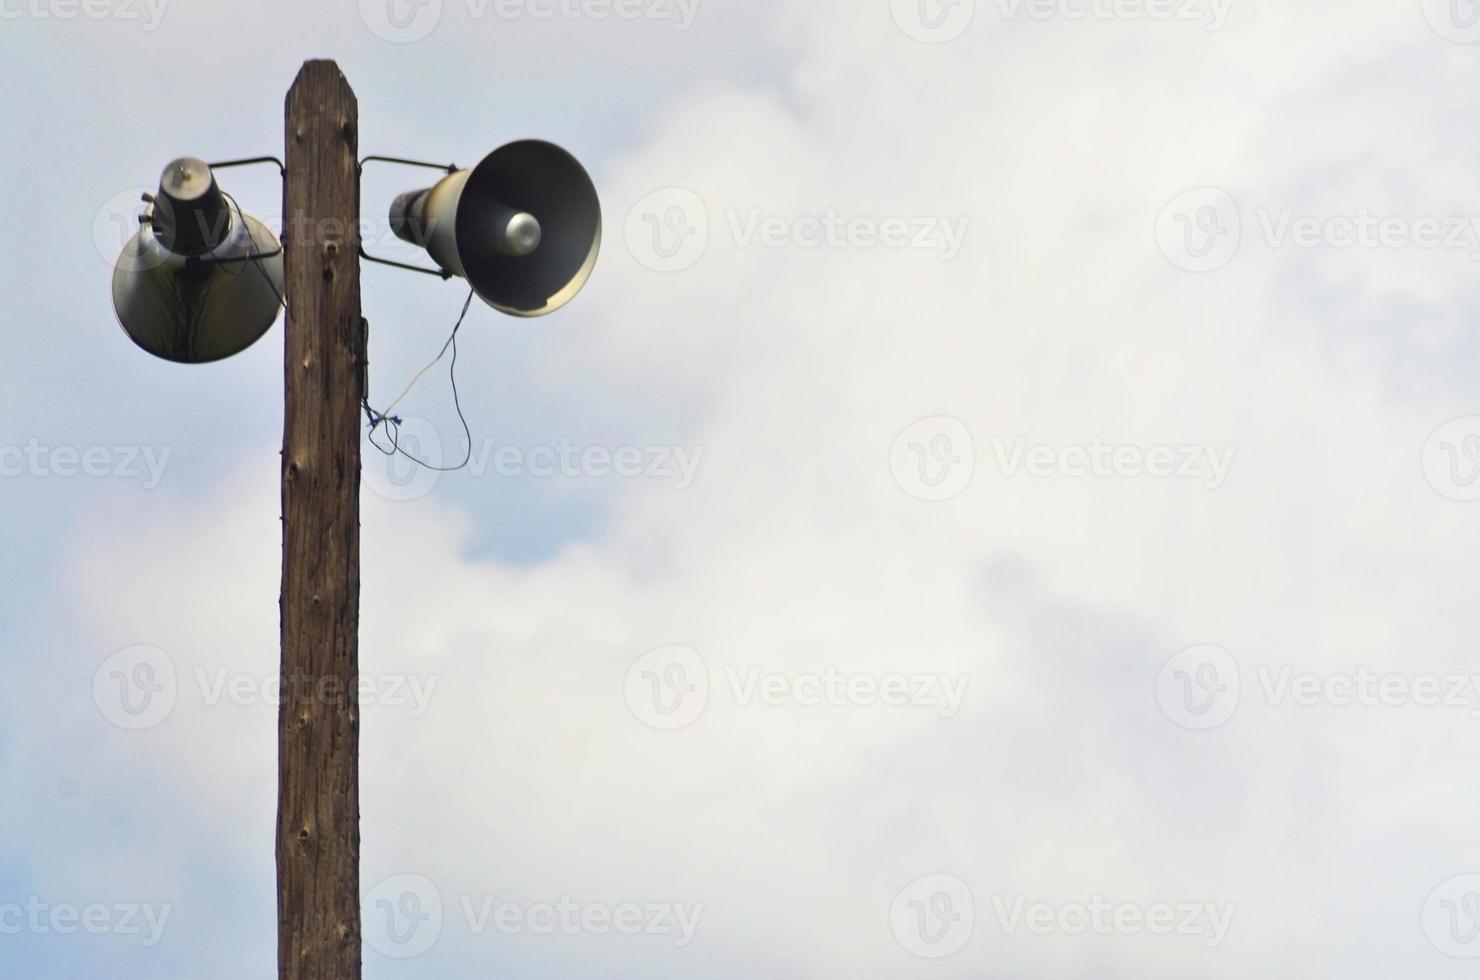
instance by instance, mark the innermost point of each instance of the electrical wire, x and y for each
(392, 423)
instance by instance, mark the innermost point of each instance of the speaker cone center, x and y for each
(521, 234)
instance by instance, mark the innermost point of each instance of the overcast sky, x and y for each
(1004, 505)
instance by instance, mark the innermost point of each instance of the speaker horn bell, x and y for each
(201, 280)
(523, 227)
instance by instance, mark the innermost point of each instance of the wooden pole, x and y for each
(318, 829)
